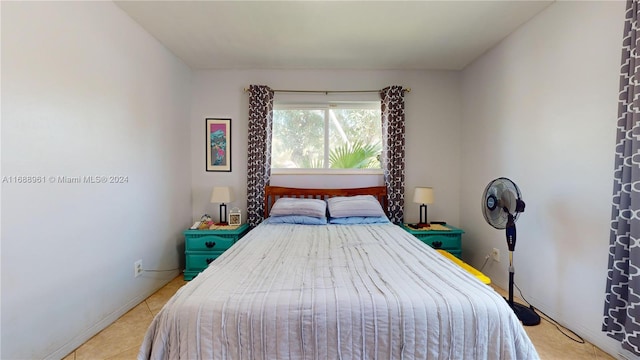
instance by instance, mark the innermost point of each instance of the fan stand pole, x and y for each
(511, 272)
(525, 314)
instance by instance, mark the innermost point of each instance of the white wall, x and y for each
(541, 109)
(85, 91)
(432, 131)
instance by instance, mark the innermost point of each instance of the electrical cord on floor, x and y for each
(579, 339)
(486, 258)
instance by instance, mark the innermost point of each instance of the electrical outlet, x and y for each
(137, 268)
(495, 254)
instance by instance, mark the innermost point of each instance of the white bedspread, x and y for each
(335, 292)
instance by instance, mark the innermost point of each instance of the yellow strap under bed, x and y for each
(470, 269)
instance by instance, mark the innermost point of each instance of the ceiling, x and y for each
(330, 34)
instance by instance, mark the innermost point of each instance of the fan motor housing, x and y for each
(492, 202)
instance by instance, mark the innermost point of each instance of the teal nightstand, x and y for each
(449, 240)
(201, 247)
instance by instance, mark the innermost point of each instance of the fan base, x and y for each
(525, 314)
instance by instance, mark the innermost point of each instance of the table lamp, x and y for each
(222, 195)
(423, 196)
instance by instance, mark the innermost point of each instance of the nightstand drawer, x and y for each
(199, 262)
(446, 237)
(452, 242)
(209, 243)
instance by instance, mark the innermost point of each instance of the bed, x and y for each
(347, 290)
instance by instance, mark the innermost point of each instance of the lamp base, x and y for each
(223, 214)
(221, 223)
(422, 225)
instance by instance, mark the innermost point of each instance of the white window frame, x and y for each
(326, 106)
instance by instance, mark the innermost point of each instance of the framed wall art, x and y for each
(218, 144)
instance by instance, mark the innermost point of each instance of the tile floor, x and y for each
(122, 339)
(552, 345)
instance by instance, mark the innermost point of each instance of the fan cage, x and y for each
(497, 190)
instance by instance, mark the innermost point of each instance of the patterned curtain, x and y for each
(622, 301)
(393, 149)
(259, 153)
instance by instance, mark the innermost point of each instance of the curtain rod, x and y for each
(327, 92)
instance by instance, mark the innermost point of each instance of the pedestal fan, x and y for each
(501, 205)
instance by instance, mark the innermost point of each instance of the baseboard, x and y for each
(626, 355)
(83, 337)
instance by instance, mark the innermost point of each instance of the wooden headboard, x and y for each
(273, 193)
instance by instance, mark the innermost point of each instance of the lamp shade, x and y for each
(423, 195)
(221, 194)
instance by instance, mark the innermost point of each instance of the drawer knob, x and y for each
(437, 244)
(209, 260)
(210, 244)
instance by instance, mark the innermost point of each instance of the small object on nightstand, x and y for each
(195, 225)
(235, 217)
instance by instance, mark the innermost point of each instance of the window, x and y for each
(327, 136)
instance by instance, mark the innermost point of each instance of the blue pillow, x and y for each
(296, 219)
(349, 220)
